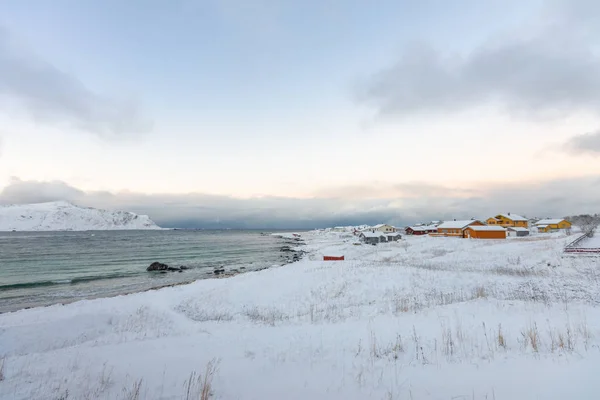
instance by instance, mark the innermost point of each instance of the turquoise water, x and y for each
(43, 268)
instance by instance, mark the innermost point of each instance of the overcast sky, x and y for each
(302, 113)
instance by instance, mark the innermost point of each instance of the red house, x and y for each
(421, 230)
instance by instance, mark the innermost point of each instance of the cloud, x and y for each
(549, 67)
(423, 203)
(52, 95)
(584, 143)
(19, 191)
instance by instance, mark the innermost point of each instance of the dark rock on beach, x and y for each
(163, 268)
(157, 266)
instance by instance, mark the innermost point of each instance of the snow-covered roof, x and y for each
(518, 229)
(486, 228)
(549, 221)
(456, 224)
(542, 226)
(418, 228)
(513, 217)
(392, 234)
(380, 225)
(372, 234)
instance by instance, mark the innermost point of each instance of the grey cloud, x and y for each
(585, 143)
(24, 192)
(401, 190)
(552, 198)
(550, 67)
(52, 95)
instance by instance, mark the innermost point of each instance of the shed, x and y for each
(517, 231)
(485, 232)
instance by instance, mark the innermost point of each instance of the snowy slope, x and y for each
(424, 318)
(64, 216)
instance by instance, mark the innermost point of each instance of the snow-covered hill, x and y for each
(64, 216)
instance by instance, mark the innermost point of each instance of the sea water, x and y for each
(43, 268)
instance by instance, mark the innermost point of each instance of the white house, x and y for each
(385, 228)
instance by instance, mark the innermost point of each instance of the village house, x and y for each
(372, 237)
(484, 232)
(455, 228)
(384, 228)
(552, 225)
(517, 231)
(507, 220)
(420, 229)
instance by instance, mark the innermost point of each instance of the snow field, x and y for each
(424, 318)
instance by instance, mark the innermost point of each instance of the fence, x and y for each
(571, 249)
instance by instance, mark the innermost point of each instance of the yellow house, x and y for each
(508, 220)
(552, 225)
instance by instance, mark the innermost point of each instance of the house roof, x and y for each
(549, 221)
(373, 234)
(542, 226)
(456, 224)
(392, 234)
(518, 229)
(486, 228)
(512, 217)
(381, 225)
(423, 228)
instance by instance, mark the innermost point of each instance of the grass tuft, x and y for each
(133, 392)
(501, 340)
(199, 386)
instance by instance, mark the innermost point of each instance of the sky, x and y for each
(302, 113)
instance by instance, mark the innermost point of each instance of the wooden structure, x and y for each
(552, 225)
(455, 228)
(393, 237)
(385, 228)
(372, 237)
(484, 232)
(420, 230)
(507, 220)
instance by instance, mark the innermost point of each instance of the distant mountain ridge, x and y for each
(64, 216)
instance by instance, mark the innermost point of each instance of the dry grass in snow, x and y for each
(426, 318)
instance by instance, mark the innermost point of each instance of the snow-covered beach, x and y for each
(421, 318)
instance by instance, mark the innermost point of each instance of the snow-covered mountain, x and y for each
(64, 216)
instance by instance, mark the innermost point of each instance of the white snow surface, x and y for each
(64, 216)
(422, 318)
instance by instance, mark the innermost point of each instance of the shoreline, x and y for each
(208, 275)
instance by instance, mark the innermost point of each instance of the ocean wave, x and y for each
(56, 282)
